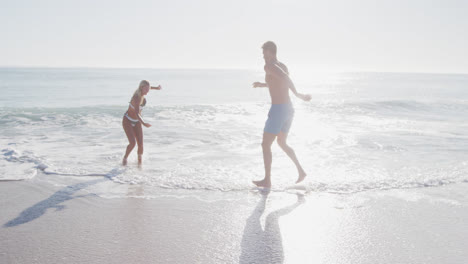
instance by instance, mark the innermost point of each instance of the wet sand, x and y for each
(42, 223)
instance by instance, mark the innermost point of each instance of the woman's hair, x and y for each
(137, 92)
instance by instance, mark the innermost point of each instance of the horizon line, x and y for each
(221, 68)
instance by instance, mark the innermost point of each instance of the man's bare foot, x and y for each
(302, 176)
(263, 183)
(124, 162)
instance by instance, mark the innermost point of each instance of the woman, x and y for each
(132, 120)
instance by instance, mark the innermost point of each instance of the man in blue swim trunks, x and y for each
(281, 112)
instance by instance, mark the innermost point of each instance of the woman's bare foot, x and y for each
(302, 176)
(139, 159)
(263, 183)
(124, 162)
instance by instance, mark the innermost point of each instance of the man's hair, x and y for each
(269, 45)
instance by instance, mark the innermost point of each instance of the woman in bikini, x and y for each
(132, 120)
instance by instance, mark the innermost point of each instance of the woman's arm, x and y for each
(156, 88)
(143, 122)
(136, 104)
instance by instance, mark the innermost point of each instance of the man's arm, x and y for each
(275, 70)
(279, 73)
(259, 85)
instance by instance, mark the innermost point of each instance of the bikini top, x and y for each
(141, 106)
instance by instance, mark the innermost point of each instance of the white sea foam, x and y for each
(18, 166)
(347, 143)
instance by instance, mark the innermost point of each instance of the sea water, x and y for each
(361, 131)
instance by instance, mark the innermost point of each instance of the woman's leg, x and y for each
(127, 126)
(139, 140)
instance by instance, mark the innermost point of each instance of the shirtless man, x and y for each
(281, 112)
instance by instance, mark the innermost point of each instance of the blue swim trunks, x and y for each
(280, 118)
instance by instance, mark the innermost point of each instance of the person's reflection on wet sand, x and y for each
(264, 245)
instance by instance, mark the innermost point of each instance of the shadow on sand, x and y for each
(54, 201)
(265, 245)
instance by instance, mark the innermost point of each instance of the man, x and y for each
(281, 112)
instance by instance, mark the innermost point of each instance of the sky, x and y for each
(359, 35)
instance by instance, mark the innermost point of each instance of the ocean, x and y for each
(361, 131)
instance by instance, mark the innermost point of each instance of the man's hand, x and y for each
(258, 84)
(305, 97)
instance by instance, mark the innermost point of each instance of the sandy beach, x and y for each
(45, 223)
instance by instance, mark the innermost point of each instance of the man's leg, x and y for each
(268, 139)
(282, 138)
